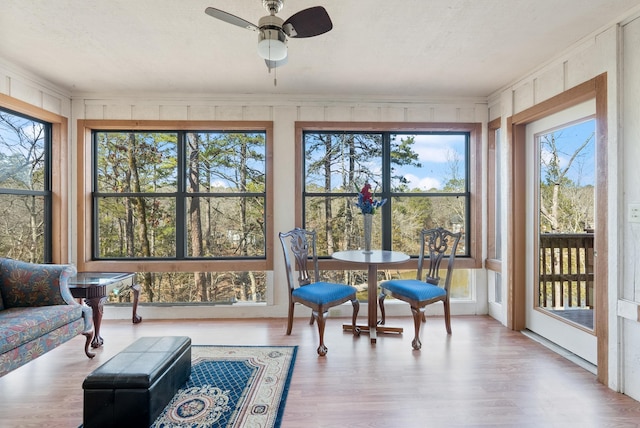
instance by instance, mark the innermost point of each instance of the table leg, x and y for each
(97, 305)
(372, 326)
(372, 296)
(135, 289)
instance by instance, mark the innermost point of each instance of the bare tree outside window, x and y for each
(566, 221)
(423, 176)
(183, 196)
(25, 193)
(566, 182)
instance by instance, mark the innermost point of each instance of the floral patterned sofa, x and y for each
(37, 312)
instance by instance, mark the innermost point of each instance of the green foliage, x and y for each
(215, 205)
(402, 154)
(222, 288)
(23, 178)
(336, 167)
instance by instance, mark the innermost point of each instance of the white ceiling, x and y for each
(384, 48)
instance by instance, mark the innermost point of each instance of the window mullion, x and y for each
(386, 191)
(181, 198)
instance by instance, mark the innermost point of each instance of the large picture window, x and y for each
(179, 195)
(187, 205)
(428, 173)
(25, 188)
(423, 176)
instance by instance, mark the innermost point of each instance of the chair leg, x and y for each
(356, 308)
(312, 319)
(322, 350)
(381, 304)
(290, 318)
(417, 315)
(447, 316)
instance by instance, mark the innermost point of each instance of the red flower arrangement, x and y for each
(366, 203)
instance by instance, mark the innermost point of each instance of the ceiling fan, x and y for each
(273, 31)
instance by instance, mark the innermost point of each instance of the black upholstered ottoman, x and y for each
(132, 388)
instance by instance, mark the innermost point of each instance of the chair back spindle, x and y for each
(299, 242)
(437, 243)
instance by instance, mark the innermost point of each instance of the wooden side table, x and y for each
(95, 288)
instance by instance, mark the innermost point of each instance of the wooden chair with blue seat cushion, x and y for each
(307, 289)
(438, 244)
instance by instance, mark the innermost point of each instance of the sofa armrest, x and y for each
(87, 314)
(25, 284)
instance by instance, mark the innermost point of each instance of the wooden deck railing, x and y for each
(566, 271)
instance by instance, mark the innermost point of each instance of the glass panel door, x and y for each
(560, 222)
(566, 220)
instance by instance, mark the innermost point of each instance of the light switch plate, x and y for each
(634, 213)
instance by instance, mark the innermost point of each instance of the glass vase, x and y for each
(368, 219)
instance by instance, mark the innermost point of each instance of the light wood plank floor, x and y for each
(484, 375)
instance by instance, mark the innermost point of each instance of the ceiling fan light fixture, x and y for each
(272, 44)
(273, 31)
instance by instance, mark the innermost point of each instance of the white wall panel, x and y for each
(366, 114)
(393, 114)
(29, 91)
(631, 358)
(201, 112)
(52, 103)
(481, 113)
(523, 96)
(446, 113)
(420, 114)
(310, 113)
(5, 81)
(174, 112)
(467, 114)
(261, 112)
(229, 112)
(26, 92)
(118, 111)
(94, 111)
(284, 118)
(494, 108)
(630, 154)
(338, 113)
(591, 59)
(549, 83)
(145, 112)
(631, 150)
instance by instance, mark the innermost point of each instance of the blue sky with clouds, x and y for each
(438, 155)
(568, 139)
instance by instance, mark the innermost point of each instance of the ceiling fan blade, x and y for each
(308, 23)
(274, 64)
(231, 19)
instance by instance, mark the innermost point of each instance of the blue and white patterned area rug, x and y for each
(232, 386)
